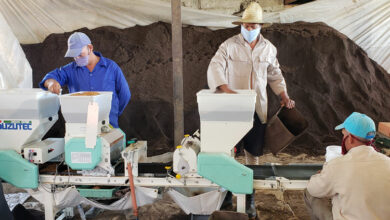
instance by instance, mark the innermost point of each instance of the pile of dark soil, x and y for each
(327, 74)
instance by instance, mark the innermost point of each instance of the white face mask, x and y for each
(82, 61)
(250, 35)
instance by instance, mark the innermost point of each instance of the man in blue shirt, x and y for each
(90, 71)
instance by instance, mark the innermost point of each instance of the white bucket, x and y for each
(332, 152)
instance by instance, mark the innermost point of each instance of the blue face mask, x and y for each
(250, 35)
(82, 61)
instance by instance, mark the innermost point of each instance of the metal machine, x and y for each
(89, 140)
(25, 117)
(185, 157)
(94, 151)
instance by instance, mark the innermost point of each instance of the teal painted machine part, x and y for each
(226, 172)
(17, 171)
(78, 157)
(124, 138)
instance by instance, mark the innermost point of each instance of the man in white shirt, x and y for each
(248, 61)
(357, 182)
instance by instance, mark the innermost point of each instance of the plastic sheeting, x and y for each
(70, 197)
(14, 199)
(366, 22)
(15, 70)
(33, 20)
(202, 204)
(97, 171)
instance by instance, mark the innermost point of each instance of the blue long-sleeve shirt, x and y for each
(106, 76)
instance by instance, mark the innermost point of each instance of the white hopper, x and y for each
(224, 118)
(25, 116)
(74, 108)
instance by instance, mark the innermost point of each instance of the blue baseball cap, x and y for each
(76, 42)
(359, 125)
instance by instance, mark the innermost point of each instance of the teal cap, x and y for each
(359, 125)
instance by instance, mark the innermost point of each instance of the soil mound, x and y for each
(327, 74)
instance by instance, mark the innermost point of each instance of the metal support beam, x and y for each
(49, 204)
(177, 58)
(123, 181)
(277, 183)
(241, 203)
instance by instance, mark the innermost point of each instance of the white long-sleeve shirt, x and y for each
(238, 66)
(358, 183)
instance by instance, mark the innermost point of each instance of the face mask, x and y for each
(250, 35)
(82, 61)
(343, 148)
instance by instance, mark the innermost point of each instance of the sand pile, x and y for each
(327, 74)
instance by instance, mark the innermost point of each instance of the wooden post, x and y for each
(177, 57)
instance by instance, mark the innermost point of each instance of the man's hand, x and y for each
(53, 86)
(224, 89)
(286, 101)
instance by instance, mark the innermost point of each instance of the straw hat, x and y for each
(252, 14)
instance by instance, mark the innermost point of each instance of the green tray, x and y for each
(97, 193)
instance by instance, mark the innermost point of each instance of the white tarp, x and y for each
(366, 22)
(15, 70)
(70, 197)
(204, 203)
(33, 20)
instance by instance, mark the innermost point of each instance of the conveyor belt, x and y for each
(260, 172)
(291, 171)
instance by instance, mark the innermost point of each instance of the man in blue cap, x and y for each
(90, 71)
(357, 182)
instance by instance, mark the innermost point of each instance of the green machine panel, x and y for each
(226, 172)
(18, 171)
(78, 157)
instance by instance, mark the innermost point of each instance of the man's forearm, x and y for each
(283, 95)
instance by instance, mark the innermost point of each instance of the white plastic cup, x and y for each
(332, 151)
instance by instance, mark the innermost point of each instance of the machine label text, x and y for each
(15, 125)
